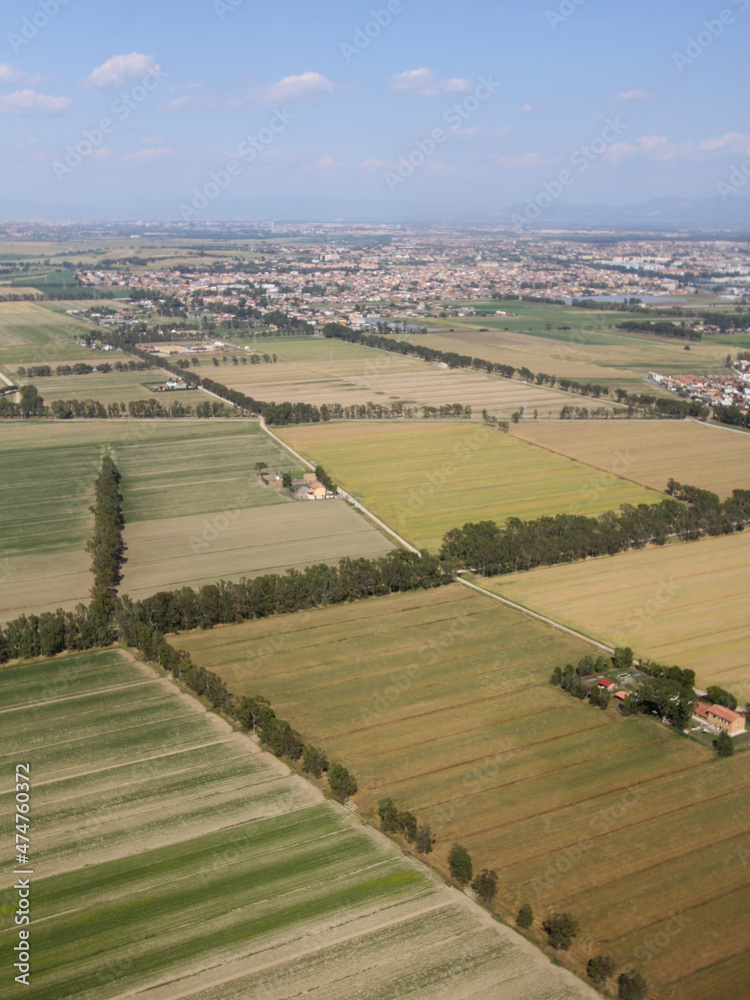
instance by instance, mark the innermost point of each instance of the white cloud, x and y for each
(735, 142)
(326, 164)
(151, 153)
(122, 69)
(423, 83)
(526, 109)
(632, 95)
(292, 88)
(28, 102)
(521, 162)
(9, 74)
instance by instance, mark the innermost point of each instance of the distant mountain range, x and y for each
(659, 214)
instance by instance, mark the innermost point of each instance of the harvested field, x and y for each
(200, 549)
(317, 370)
(650, 452)
(683, 604)
(442, 700)
(173, 859)
(426, 478)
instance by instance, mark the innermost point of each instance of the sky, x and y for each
(392, 110)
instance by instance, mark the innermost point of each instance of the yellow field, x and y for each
(425, 478)
(683, 604)
(650, 452)
(199, 549)
(442, 701)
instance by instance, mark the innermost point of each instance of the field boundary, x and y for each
(503, 930)
(535, 614)
(347, 496)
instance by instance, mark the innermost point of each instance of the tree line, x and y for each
(490, 550)
(147, 409)
(643, 403)
(81, 368)
(106, 545)
(661, 328)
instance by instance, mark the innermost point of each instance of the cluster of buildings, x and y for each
(712, 390)
(335, 275)
(313, 489)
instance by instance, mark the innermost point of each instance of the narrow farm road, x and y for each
(542, 618)
(17, 394)
(342, 493)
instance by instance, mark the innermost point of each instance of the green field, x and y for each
(171, 859)
(442, 700)
(424, 479)
(32, 333)
(684, 604)
(109, 387)
(195, 510)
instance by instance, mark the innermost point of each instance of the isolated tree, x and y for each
(623, 658)
(314, 760)
(342, 783)
(485, 885)
(425, 839)
(631, 986)
(525, 917)
(388, 814)
(600, 969)
(460, 864)
(287, 481)
(260, 467)
(560, 929)
(723, 745)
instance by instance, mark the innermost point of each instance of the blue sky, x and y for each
(220, 109)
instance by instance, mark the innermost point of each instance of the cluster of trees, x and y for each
(106, 545)
(54, 632)
(462, 870)
(325, 480)
(394, 820)
(662, 328)
(570, 679)
(295, 590)
(30, 405)
(732, 415)
(630, 985)
(545, 541)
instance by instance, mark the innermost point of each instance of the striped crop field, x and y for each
(171, 859)
(442, 701)
(424, 479)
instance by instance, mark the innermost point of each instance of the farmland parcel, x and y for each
(425, 479)
(442, 701)
(195, 509)
(172, 860)
(684, 604)
(651, 452)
